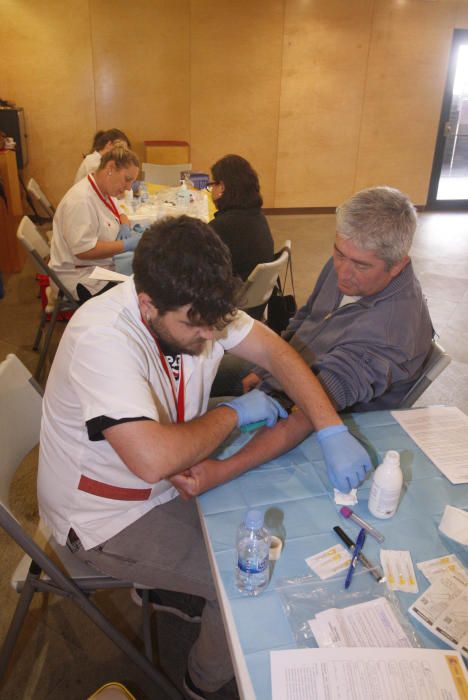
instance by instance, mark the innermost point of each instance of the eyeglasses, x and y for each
(209, 185)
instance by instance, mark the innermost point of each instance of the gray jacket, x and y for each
(368, 353)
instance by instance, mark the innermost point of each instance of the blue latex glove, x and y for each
(346, 459)
(124, 232)
(256, 406)
(132, 242)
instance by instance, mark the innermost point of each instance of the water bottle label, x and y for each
(252, 566)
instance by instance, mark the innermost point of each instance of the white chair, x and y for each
(435, 363)
(164, 174)
(39, 196)
(38, 572)
(259, 285)
(64, 301)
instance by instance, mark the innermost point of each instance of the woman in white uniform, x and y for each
(88, 229)
(103, 141)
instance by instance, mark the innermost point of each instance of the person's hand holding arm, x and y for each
(250, 381)
(266, 444)
(347, 461)
(154, 451)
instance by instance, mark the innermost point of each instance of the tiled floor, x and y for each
(61, 654)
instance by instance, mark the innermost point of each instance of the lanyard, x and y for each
(179, 396)
(107, 201)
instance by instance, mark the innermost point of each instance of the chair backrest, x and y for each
(20, 419)
(259, 285)
(435, 363)
(39, 250)
(34, 189)
(30, 237)
(164, 174)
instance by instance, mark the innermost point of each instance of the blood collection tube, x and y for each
(348, 513)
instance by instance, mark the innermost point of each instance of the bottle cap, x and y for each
(392, 457)
(253, 519)
(346, 512)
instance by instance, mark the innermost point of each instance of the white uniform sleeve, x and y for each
(112, 382)
(235, 331)
(80, 226)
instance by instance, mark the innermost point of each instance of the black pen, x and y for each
(376, 571)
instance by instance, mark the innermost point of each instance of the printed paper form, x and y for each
(387, 674)
(369, 624)
(442, 433)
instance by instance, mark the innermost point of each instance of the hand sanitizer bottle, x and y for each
(386, 486)
(183, 195)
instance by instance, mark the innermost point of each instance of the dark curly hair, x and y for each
(241, 185)
(183, 261)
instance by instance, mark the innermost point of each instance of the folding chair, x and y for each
(39, 196)
(259, 285)
(38, 249)
(20, 417)
(435, 363)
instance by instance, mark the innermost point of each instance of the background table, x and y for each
(295, 492)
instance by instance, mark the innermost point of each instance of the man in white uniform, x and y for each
(125, 410)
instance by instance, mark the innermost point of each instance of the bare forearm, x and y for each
(267, 444)
(102, 249)
(154, 451)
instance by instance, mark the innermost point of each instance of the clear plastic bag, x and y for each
(303, 598)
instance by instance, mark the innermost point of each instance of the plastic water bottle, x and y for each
(386, 486)
(253, 545)
(183, 195)
(143, 192)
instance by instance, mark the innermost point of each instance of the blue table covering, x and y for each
(298, 499)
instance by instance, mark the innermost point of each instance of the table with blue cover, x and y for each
(295, 491)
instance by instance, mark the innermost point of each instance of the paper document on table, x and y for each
(343, 674)
(369, 624)
(443, 609)
(442, 433)
(102, 273)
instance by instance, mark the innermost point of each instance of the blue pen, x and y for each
(356, 552)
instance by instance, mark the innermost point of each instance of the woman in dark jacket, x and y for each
(239, 221)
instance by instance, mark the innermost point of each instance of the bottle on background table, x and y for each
(252, 547)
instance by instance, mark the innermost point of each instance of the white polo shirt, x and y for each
(80, 221)
(108, 364)
(90, 163)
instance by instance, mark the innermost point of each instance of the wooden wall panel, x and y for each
(236, 78)
(324, 97)
(407, 68)
(142, 68)
(325, 53)
(46, 60)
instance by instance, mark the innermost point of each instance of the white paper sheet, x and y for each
(442, 433)
(369, 624)
(102, 273)
(443, 609)
(387, 674)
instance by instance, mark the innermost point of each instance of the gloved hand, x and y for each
(256, 406)
(132, 242)
(346, 459)
(124, 232)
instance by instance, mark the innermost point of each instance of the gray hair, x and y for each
(381, 219)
